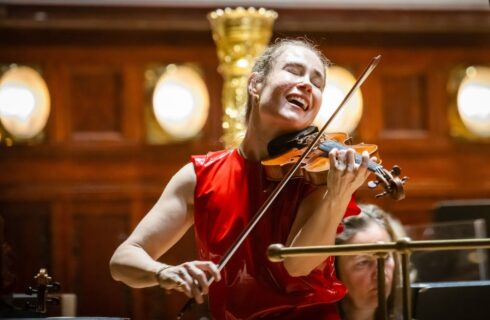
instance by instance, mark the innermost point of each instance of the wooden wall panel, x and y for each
(28, 233)
(98, 228)
(77, 195)
(404, 102)
(96, 102)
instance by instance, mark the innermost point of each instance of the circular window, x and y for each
(339, 82)
(474, 100)
(181, 102)
(24, 102)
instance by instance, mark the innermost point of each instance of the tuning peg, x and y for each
(373, 184)
(396, 170)
(382, 194)
(404, 179)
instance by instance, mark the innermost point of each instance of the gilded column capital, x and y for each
(241, 35)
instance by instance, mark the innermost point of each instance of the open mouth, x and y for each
(298, 101)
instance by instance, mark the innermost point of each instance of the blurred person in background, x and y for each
(359, 272)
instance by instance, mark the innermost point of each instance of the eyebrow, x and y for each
(362, 256)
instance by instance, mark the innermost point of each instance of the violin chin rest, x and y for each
(289, 141)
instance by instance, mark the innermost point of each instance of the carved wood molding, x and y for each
(291, 19)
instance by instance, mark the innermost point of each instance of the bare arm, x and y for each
(134, 261)
(321, 212)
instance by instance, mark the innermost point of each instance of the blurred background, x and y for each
(102, 101)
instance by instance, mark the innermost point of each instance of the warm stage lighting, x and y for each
(24, 102)
(181, 102)
(474, 101)
(339, 82)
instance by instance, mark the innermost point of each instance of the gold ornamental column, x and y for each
(241, 35)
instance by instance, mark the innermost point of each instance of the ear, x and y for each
(255, 84)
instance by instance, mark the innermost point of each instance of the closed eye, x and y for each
(317, 82)
(295, 69)
(299, 70)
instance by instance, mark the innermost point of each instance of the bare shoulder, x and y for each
(183, 183)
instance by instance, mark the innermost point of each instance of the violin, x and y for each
(314, 167)
(45, 285)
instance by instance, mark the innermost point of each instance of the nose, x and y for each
(305, 85)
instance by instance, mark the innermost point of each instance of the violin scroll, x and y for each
(393, 185)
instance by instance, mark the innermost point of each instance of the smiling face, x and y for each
(359, 273)
(290, 95)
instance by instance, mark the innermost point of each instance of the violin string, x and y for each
(330, 144)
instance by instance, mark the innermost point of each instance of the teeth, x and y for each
(299, 102)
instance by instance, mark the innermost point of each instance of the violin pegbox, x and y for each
(393, 184)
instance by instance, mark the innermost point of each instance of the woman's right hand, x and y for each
(190, 278)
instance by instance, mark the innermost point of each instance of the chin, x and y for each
(297, 123)
(290, 121)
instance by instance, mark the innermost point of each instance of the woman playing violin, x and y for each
(227, 188)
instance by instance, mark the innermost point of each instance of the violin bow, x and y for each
(265, 206)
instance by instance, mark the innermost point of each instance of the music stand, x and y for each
(451, 300)
(457, 210)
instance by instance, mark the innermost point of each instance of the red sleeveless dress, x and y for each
(229, 191)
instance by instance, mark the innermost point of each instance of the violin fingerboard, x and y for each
(329, 145)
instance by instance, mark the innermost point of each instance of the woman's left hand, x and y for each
(345, 176)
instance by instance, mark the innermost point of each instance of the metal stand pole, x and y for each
(382, 313)
(407, 293)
